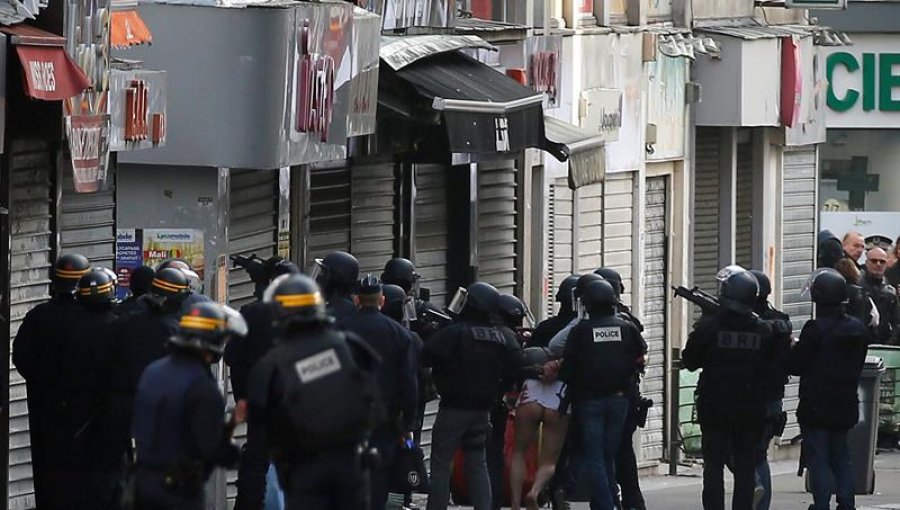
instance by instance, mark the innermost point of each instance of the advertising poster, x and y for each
(150, 246)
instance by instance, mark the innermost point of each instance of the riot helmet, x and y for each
(170, 282)
(512, 311)
(738, 292)
(282, 267)
(580, 288)
(296, 299)
(826, 287)
(140, 280)
(480, 299)
(599, 298)
(96, 288)
(765, 286)
(401, 272)
(206, 328)
(337, 273)
(564, 296)
(195, 283)
(67, 271)
(397, 304)
(613, 277)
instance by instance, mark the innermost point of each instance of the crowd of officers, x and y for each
(332, 373)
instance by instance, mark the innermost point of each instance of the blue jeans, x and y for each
(274, 496)
(827, 457)
(601, 423)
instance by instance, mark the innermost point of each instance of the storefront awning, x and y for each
(50, 74)
(128, 29)
(586, 150)
(484, 111)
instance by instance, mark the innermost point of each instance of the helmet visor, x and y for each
(459, 301)
(409, 311)
(529, 318)
(318, 270)
(195, 283)
(729, 271)
(234, 322)
(807, 288)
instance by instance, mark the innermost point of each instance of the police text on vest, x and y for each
(318, 366)
(608, 334)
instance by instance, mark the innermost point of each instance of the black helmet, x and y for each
(599, 296)
(738, 292)
(140, 280)
(394, 299)
(482, 298)
(170, 282)
(96, 288)
(282, 267)
(338, 272)
(613, 277)
(67, 271)
(296, 298)
(564, 294)
(203, 328)
(584, 281)
(765, 286)
(401, 272)
(174, 263)
(512, 310)
(369, 286)
(827, 287)
(830, 249)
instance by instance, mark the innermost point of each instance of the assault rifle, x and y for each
(708, 303)
(253, 265)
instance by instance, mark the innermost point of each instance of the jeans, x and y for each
(274, 495)
(827, 456)
(602, 421)
(742, 441)
(387, 441)
(332, 482)
(454, 428)
(626, 464)
(763, 473)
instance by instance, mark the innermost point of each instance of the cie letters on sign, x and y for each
(318, 366)
(739, 340)
(487, 335)
(608, 334)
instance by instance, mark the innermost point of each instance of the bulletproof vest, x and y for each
(328, 398)
(606, 353)
(160, 425)
(624, 313)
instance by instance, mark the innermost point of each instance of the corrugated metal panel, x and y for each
(706, 210)
(329, 212)
(88, 221)
(618, 209)
(31, 165)
(431, 230)
(373, 213)
(252, 226)
(497, 226)
(744, 218)
(655, 296)
(798, 251)
(559, 239)
(589, 247)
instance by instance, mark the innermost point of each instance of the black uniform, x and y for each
(736, 353)
(341, 307)
(885, 298)
(318, 471)
(240, 356)
(178, 432)
(546, 330)
(626, 462)
(397, 382)
(38, 359)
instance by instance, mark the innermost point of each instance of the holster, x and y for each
(644, 406)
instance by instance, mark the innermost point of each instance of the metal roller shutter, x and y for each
(31, 165)
(329, 212)
(559, 239)
(655, 297)
(88, 221)
(798, 253)
(431, 230)
(374, 211)
(589, 211)
(744, 218)
(618, 209)
(497, 227)
(706, 210)
(252, 225)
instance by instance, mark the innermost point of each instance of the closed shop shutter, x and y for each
(431, 230)
(798, 253)
(88, 221)
(618, 212)
(744, 220)
(497, 226)
(559, 239)
(329, 212)
(31, 164)
(706, 210)
(589, 221)
(374, 211)
(655, 297)
(252, 226)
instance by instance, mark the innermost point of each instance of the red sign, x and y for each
(791, 82)
(543, 73)
(89, 148)
(315, 88)
(49, 73)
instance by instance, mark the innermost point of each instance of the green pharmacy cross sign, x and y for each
(875, 80)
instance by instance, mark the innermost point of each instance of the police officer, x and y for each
(830, 249)
(315, 393)
(469, 358)
(602, 357)
(195, 284)
(240, 356)
(139, 283)
(735, 349)
(566, 314)
(884, 295)
(178, 433)
(36, 356)
(626, 462)
(338, 274)
(402, 273)
(397, 379)
(829, 359)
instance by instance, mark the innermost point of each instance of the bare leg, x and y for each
(528, 421)
(552, 439)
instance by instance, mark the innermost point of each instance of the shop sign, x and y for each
(545, 66)
(315, 88)
(601, 112)
(138, 247)
(89, 150)
(864, 83)
(137, 109)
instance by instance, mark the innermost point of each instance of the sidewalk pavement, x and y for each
(683, 492)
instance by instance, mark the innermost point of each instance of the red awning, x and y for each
(49, 72)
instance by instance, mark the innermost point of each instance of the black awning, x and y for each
(484, 111)
(587, 151)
